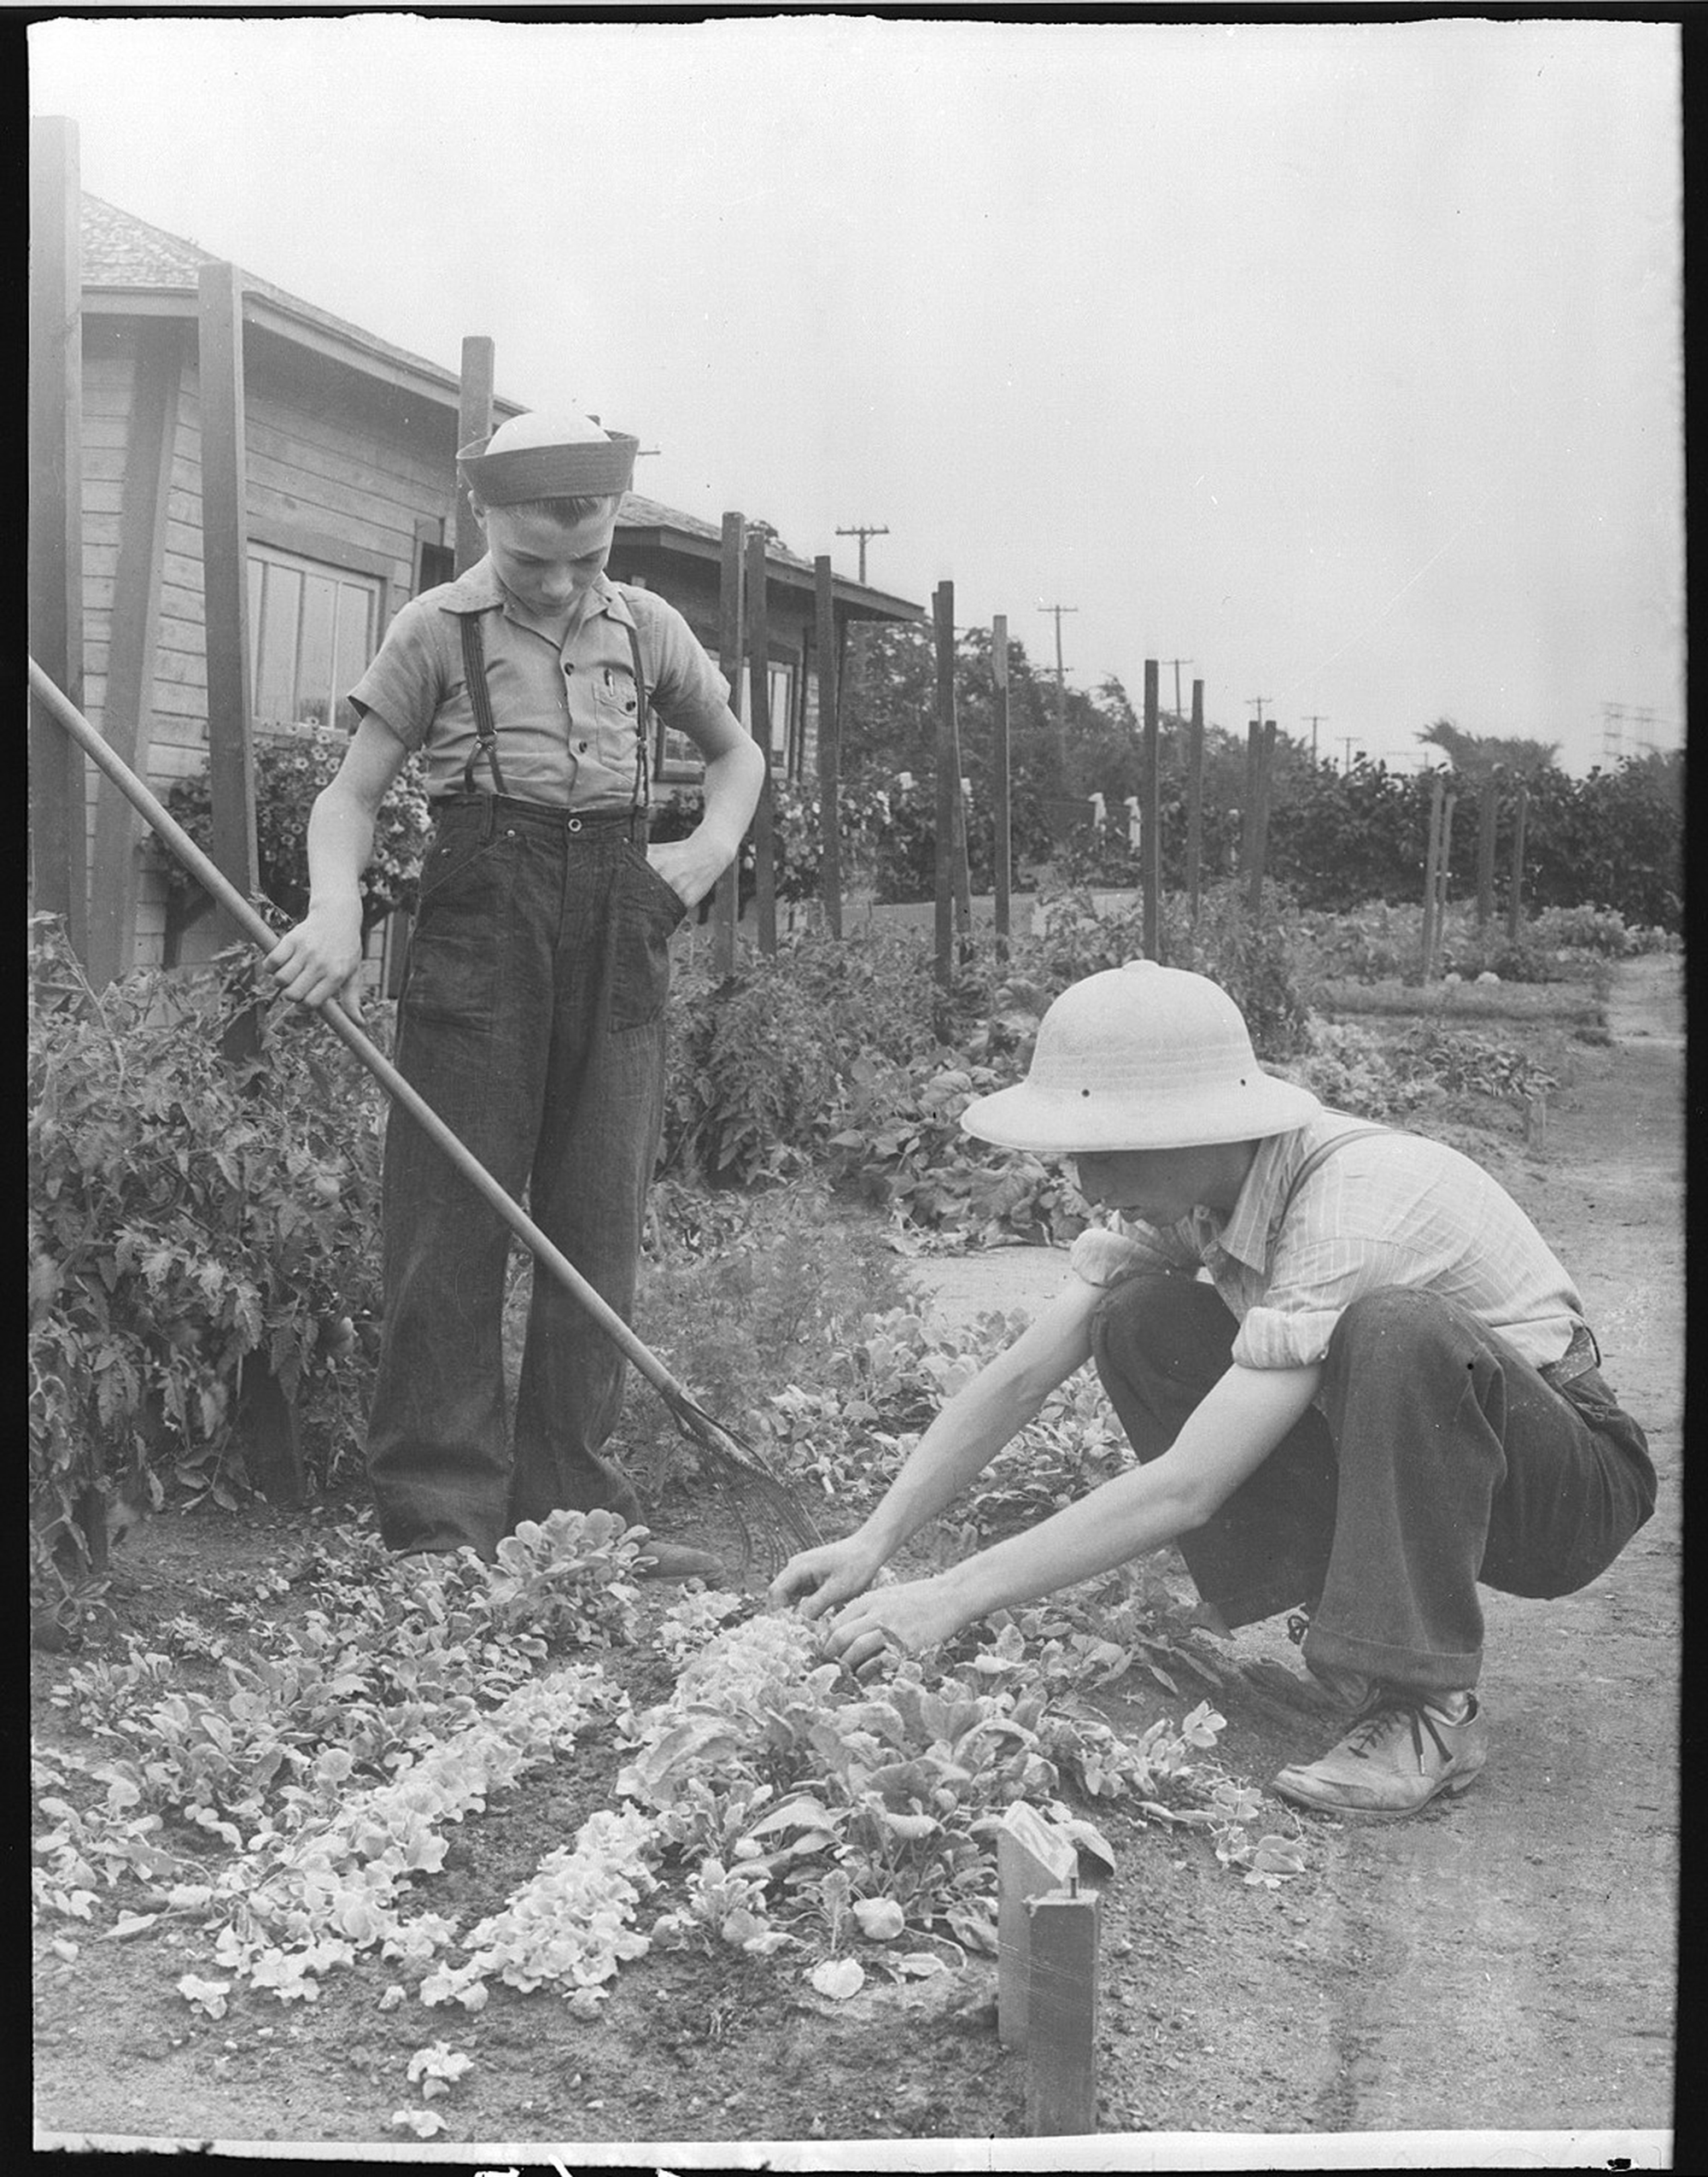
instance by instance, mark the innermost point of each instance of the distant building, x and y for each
(348, 503)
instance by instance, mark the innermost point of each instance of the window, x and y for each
(312, 629)
(676, 759)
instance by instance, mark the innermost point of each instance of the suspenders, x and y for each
(1316, 1156)
(486, 727)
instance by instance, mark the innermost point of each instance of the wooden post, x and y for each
(759, 700)
(947, 776)
(1150, 839)
(1431, 862)
(225, 580)
(1264, 745)
(1195, 803)
(59, 847)
(1032, 1858)
(1443, 866)
(726, 898)
(1247, 828)
(1488, 815)
(473, 423)
(1000, 782)
(1515, 904)
(829, 750)
(127, 715)
(1061, 2034)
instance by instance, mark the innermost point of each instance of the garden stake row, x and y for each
(755, 1496)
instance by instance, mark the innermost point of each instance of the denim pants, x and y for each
(532, 1020)
(1435, 1457)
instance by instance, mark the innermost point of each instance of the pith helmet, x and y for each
(1142, 1057)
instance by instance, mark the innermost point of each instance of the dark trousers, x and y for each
(1434, 1458)
(532, 1020)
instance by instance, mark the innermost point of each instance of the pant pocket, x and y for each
(454, 970)
(647, 909)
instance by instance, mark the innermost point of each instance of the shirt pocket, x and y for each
(617, 718)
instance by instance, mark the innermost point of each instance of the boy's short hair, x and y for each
(568, 513)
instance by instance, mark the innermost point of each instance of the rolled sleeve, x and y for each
(1102, 1257)
(690, 693)
(405, 684)
(1290, 1327)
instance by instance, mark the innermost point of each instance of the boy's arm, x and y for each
(966, 1434)
(321, 958)
(1230, 1433)
(734, 772)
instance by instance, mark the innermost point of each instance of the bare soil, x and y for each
(1502, 1966)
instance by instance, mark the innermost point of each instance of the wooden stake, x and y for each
(948, 778)
(59, 851)
(1150, 839)
(473, 423)
(1515, 904)
(829, 750)
(1444, 867)
(1488, 815)
(999, 779)
(1265, 745)
(1032, 1858)
(759, 698)
(1431, 860)
(726, 907)
(1195, 802)
(1062, 2038)
(226, 579)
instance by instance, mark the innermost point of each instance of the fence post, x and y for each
(1488, 815)
(474, 424)
(1150, 836)
(999, 780)
(1515, 904)
(1431, 863)
(59, 816)
(1264, 744)
(947, 776)
(226, 579)
(829, 750)
(1195, 803)
(727, 898)
(759, 700)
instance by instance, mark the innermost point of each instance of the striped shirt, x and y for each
(1389, 1208)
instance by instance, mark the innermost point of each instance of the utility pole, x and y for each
(1314, 720)
(1346, 741)
(1177, 663)
(862, 531)
(1259, 700)
(1061, 678)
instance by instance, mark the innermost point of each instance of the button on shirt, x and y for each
(566, 717)
(1390, 1208)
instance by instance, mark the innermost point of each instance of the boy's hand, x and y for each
(818, 1579)
(915, 1615)
(689, 867)
(321, 958)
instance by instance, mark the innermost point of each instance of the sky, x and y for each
(1341, 363)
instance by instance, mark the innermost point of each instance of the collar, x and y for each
(1249, 1231)
(480, 590)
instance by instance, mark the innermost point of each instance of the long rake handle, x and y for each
(214, 880)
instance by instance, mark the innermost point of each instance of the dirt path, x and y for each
(1507, 1964)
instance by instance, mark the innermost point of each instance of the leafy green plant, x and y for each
(185, 1213)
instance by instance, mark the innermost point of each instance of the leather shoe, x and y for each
(1399, 1755)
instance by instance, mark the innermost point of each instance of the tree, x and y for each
(1474, 756)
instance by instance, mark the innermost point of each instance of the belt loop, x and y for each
(489, 816)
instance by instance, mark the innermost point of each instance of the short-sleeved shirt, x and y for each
(566, 717)
(1388, 1208)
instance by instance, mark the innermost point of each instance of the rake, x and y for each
(755, 1497)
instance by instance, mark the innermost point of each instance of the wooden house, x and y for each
(233, 490)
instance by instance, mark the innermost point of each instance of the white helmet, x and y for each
(1142, 1057)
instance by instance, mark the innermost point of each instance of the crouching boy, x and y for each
(1357, 1382)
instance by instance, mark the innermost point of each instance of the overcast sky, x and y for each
(1341, 361)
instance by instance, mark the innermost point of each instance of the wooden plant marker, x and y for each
(1061, 2032)
(1032, 1858)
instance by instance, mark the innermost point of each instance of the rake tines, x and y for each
(755, 1495)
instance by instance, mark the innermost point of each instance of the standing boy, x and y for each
(1357, 1382)
(532, 1014)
